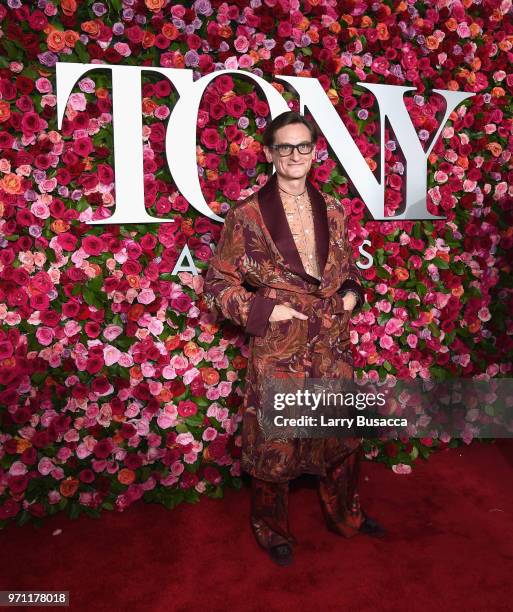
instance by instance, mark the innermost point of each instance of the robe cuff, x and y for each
(356, 288)
(258, 316)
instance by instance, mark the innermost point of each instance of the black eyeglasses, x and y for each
(286, 149)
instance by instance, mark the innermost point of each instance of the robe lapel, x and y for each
(273, 215)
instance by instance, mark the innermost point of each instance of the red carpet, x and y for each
(450, 547)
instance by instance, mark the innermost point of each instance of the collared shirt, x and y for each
(298, 212)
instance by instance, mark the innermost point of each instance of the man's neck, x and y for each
(294, 186)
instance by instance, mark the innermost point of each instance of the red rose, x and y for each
(103, 448)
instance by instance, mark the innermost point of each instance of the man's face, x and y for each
(295, 165)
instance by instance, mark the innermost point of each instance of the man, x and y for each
(289, 241)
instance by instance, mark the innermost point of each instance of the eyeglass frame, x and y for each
(276, 147)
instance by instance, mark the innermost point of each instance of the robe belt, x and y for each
(311, 303)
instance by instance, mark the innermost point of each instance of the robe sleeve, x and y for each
(222, 288)
(353, 280)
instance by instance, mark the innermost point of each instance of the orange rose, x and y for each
(70, 38)
(475, 326)
(443, 255)
(239, 362)
(505, 45)
(178, 60)
(164, 396)
(170, 31)
(68, 6)
(494, 148)
(68, 487)
(59, 226)
(133, 281)
(5, 111)
(135, 373)
(96, 268)
(55, 40)
(401, 274)
(333, 96)
(314, 35)
(211, 328)
(498, 92)
(372, 358)
(432, 43)
(190, 349)
(117, 438)
(22, 444)
(382, 31)
(135, 312)
(210, 376)
(371, 163)
(212, 174)
(228, 96)
(172, 342)
(148, 39)
(91, 27)
(154, 5)
(148, 106)
(11, 183)
(225, 32)
(187, 228)
(303, 24)
(126, 476)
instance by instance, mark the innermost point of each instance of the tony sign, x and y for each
(181, 131)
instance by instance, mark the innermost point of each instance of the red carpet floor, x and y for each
(449, 548)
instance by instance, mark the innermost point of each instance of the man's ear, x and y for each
(268, 154)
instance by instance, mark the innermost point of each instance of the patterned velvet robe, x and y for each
(255, 266)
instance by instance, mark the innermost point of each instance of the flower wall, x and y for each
(115, 381)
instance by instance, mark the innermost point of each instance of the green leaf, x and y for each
(440, 263)
(75, 510)
(421, 290)
(217, 493)
(438, 372)
(81, 50)
(382, 273)
(23, 518)
(195, 420)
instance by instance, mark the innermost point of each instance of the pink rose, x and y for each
(45, 335)
(401, 468)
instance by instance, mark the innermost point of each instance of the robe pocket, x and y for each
(280, 328)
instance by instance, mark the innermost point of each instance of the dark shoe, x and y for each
(281, 554)
(372, 528)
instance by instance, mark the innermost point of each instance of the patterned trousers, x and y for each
(338, 496)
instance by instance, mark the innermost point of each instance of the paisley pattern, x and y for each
(256, 248)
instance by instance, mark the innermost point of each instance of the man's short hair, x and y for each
(288, 118)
